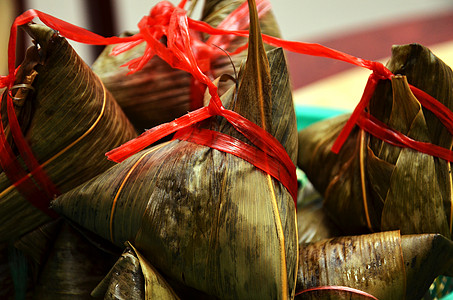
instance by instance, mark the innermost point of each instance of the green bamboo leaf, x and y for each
(73, 268)
(37, 244)
(133, 277)
(339, 180)
(426, 209)
(426, 71)
(405, 110)
(426, 257)
(415, 62)
(371, 263)
(155, 285)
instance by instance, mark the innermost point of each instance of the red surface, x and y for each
(371, 44)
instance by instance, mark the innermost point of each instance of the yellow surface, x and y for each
(6, 19)
(343, 90)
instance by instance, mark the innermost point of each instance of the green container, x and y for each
(307, 115)
(448, 297)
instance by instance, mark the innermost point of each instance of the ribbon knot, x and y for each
(7, 81)
(161, 13)
(186, 50)
(380, 71)
(158, 20)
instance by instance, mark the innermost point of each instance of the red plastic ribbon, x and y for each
(265, 142)
(179, 54)
(43, 181)
(239, 19)
(162, 21)
(380, 72)
(206, 52)
(182, 38)
(380, 130)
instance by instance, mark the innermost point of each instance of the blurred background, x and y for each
(363, 28)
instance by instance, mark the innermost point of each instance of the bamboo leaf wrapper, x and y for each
(69, 122)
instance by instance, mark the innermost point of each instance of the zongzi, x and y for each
(204, 217)
(159, 93)
(68, 119)
(73, 268)
(372, 185)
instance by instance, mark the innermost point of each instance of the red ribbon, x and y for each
(164, 19)
(49, 190)
(380, 130)
(260, 159)
(33, 184)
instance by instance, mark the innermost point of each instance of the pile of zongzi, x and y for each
(210, 213)
(158, 93)
(206, 218)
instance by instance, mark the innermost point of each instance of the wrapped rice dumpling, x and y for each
(36, 245)
(372, 185)
(68, 119)
(385, 265)
(124, 281)
(22, 261)
(158, 93)
(203, 217)
(58, 261)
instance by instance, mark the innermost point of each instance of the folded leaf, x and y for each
(158, 93)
